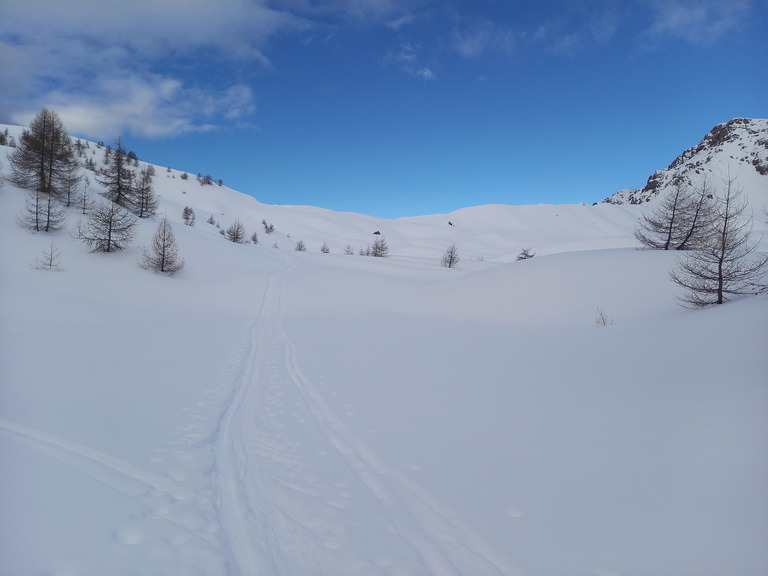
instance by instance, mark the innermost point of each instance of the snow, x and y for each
(267, 411)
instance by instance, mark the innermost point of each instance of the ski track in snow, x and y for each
(265, 532)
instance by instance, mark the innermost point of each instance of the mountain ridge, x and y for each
(740, 142)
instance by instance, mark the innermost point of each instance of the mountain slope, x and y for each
(739, 146)
(268, 411)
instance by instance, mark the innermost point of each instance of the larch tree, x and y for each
(450, 258)
(43, 160)
(163, 256)
(44, 164)
(680, 221)
(236, 232)
(109, 228)
(379, 248)
(144, 196)
(117, 177)
(724, 264)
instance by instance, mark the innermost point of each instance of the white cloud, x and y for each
(151, 106)
(698, 21)
(406, 57)
(102, 65)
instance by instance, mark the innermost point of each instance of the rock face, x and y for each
(739, 147)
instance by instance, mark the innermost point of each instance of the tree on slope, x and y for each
(236, 232)
(117, 177)
(42, 212)
(44, 160)
(164, 253)
(144, 195)
(44, 164)
(379, 249)
(451, 257)
(680, 221)
(724, 263)
(109, 228)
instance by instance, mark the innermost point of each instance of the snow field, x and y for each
(273, 412)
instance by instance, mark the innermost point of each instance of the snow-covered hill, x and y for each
(267, 411)
(738, 147)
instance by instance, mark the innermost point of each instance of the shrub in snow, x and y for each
(602, 318)
(300, 246)
(526, 253)
(324, 248)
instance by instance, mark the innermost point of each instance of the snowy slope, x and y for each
(268, 411)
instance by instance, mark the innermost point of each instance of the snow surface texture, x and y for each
(268, 411)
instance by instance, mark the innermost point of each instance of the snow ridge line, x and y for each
(451, 547)
(251, 542)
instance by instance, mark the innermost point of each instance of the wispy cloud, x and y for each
(697, 21)
(406, 57)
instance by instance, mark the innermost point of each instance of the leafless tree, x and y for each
(50, 260)
(163, 256)
(379, 249)
(525, 254)
(108, 228)
(300, 246)
(84, 200)
(324, 248)
(117, 177)
(188, 215)
(724, 264)
(236, 232)
(146, 201)
(451, 257)
(680, 221)
(43, 160)
(42, 212)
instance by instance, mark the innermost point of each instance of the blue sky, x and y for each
(392, 107)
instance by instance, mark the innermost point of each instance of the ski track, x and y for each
(265, 531)
(271, 515)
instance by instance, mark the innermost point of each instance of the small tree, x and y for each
(379, 249)
(324, 248)
(84, 200)
(525, 254)
(188, 215)
(236, 232)
(300, 246)
(211, 220)
(349, 251)
(451, 257)
(268, 228)
(255, 238)
(42, 212)
(724, 263)
(164, 253)
(50, 259)
(108, 228)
